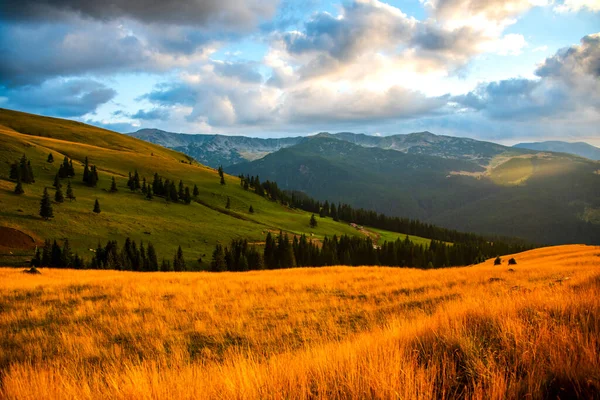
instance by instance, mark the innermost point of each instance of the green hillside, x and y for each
(544, 198)
(197, 227)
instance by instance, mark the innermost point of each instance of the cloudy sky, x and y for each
(500, 70)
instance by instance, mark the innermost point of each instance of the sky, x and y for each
(500, 70)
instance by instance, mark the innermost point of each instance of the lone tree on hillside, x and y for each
(19, 187)
(50, 158)
(512, 261)
(70, 194)
(113, 186)
(313, 221)
(57, 183)
(497, 261)
(251, 210)
(196, 191)
(58, 195)
(97, 207)
(228, 205)
(220, 170)
(46, 206)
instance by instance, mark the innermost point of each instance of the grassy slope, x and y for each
(196, 227)
(482, 332)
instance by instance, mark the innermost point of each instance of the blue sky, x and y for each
(506, 71)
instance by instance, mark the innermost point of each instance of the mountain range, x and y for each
(455, 182)
(578, 148)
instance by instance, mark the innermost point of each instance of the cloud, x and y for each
(226, 14)
(577, 5)
(568, 82)
(154, 114)
(59, 97)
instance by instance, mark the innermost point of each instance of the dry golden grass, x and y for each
(479, 332)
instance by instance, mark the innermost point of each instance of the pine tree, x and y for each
(187, 197)
(113, 185)
(93, 176)
(71, 169)
(86, 171)
(196, 191)
(57, 183)
(313, 221)
(70, 194)
(97, 207)
(218, 260)
(178, 261)
(19, 187)
(251, 209)
(222, 180)
(46, 206)
(228, 204)
(144, 186)
(46, 253)
(66, 256)
(58, 195)
(180, 192)
(152, 258)
(149, 195)
(166, 266)
(37, 259)
(136, 181)
(50, 158)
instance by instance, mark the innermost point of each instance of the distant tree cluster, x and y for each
(169, 190)
(66, 169)
(52, 255)
(90, 174)
(21, 171)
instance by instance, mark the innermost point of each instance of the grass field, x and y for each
(483, 332)
(197, 227)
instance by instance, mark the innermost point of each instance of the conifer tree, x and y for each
(173, 192)
(180, 192)
(55, 255)
(97, 207)
(218, 260)
(187, 197)
(152, 258)
(50, 158)
(36, 261)
(136, 181)
(222, 180)
(196, 191)
(29, 173)
(46, 253)
(228, 204)
(313, 221)
(71, 169)
(166, 266)
(178, 261)
(66, 256)
(14, 171)
(149, 195)
(46, 206)
(58, 195)
(86, 171)
(56, 183)
(251, 209)
(144, 186)
(93, 176)
(113, 185)
(70, 194)
(19, 186)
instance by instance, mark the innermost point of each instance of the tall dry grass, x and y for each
(479, 332)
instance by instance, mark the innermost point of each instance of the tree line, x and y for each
(130, 257)
(281, 252)
(347, 213)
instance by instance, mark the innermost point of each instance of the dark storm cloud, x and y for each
(70, 98)
(232, 14)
